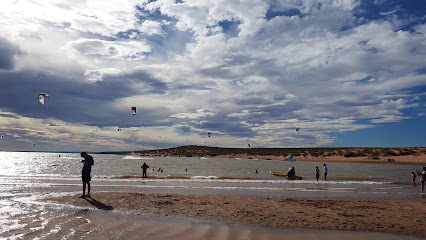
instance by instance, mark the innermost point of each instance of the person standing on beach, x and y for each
(325, 171)
(422, 177)
(317, 173)
(144, 167)
(85, 173)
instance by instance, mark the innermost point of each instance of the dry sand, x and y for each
(392, 216)
(405, 156)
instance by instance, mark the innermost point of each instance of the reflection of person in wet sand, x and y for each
(144, 167)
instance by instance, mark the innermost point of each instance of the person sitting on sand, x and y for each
(144, 167)
(413, 177)
(422, 178)
(317, 173)
(291, 172)
(85, 173)
(325, 172)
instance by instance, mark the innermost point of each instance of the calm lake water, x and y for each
(26, 178)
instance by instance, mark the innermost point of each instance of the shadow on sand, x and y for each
(98, 204)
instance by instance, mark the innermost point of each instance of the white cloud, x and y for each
(150, 28)
(258, 83)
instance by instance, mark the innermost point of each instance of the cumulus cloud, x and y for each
(245, 71)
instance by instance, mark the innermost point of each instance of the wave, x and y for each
(354, 178)
(135, 157)
(238, 179)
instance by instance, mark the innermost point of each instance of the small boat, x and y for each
(285, 175)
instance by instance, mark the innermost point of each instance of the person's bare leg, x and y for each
(88, 188)
(84, 189)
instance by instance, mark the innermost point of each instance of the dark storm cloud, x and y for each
(7, 53)
(71, 100)
(8, 115)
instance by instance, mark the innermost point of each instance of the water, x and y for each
(26, 178)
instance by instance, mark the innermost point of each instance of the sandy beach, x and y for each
(390, 216)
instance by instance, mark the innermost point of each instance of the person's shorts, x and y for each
(325, 174)
(85, 177)
(422, 181)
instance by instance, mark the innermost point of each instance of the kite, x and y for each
(134, 110)
(248, 145)
(1, 137)
(297, 130)
(41, 97)
(209, 134)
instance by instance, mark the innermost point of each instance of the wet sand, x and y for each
(387, 216)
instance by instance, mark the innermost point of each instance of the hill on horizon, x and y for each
(202, 151)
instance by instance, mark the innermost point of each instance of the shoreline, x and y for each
(280, 213)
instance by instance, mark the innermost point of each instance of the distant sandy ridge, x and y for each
(406, 156)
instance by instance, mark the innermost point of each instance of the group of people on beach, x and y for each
(88, 162)
(422, 177)
(318, 173)
(292, 172)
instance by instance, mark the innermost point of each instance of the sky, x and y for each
(347, 73)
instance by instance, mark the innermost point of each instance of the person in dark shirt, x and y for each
(291, 172)
(144, 167)
(85, 173)
(325, 171)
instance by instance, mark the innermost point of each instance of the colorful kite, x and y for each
(134, 110)
(41, 98)
(297, 130)
(209, 134)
